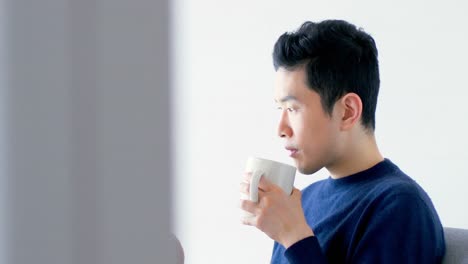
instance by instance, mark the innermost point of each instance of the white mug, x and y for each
(276, 172)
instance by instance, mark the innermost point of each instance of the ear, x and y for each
(351, 105)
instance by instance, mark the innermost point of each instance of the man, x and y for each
(368, 210)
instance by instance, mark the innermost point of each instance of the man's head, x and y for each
(327, 85)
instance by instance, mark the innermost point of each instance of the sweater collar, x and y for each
(378, 170)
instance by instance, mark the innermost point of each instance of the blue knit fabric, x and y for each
(379, 215)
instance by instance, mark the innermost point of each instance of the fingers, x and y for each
(247, 177)
(251, 221)
(248, 206)
(244, 188)
(250, 215)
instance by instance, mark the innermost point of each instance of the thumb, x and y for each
(296, 193)
(265, 184)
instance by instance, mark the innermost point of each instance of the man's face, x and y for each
(312, 137)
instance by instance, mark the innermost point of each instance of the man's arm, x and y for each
(400, 228)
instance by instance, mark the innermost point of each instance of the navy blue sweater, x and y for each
(379, 215)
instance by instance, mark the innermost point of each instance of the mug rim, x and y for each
(273, 161)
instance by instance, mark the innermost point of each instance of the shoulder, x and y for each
(313, 187)
(396, 201)
(398, 193)
(398, 185)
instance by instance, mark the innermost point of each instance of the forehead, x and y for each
(290, 83)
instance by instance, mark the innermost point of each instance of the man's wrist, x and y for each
(297, 235)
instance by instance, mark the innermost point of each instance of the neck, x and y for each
(360, 153)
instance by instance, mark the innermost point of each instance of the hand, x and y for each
(277, 214)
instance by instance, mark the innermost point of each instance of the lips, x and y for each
(292, 151)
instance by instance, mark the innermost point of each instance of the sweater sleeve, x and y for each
(305, 251)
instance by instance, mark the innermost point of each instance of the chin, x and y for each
(307, 169)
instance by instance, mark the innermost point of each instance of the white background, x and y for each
(223, 107)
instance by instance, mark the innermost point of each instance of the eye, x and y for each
(290, 109)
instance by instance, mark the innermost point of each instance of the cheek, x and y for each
(315, 133)
(304, 133)
(298, 125)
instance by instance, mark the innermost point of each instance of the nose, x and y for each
(284, 129)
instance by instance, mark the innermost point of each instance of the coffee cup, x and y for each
(276, 172)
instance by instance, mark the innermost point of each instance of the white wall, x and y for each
(224, 111)
(84, 132)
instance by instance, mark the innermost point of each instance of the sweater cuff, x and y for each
(306, 250)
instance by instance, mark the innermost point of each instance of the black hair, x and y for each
(338, 59)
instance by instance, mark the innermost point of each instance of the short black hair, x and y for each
(338, 58)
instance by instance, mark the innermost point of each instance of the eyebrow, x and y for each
(287, 98)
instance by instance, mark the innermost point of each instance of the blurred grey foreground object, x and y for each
(85, 132)
(456, 242)
(180, 256)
